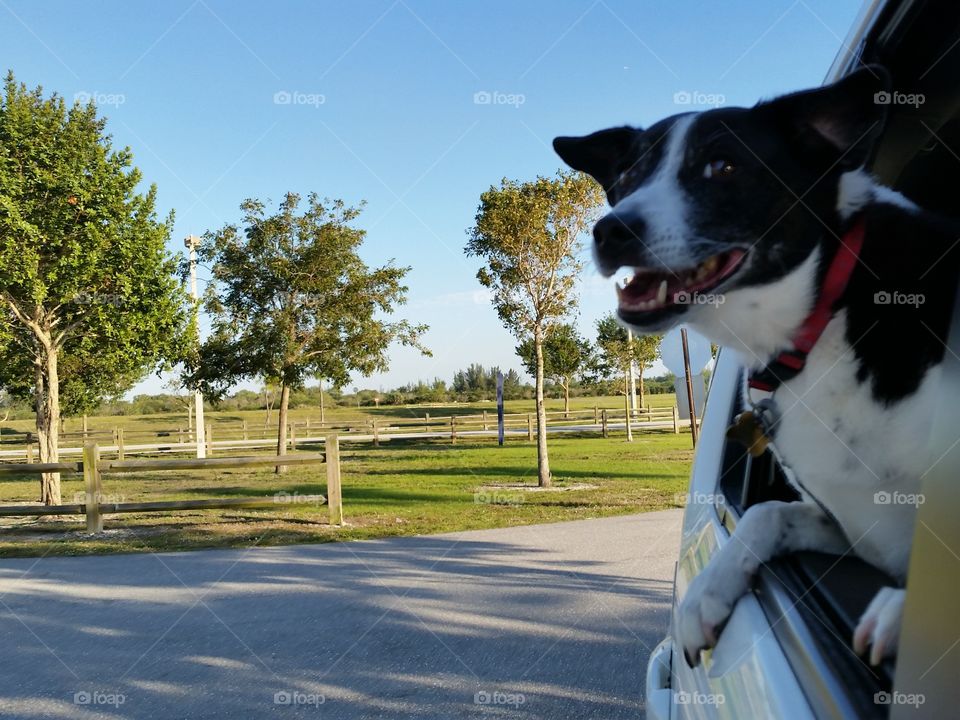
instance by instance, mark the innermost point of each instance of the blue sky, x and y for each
(383, 101)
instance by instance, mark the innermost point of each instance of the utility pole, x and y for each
(691, 401)
(633, 375)
(322, 415)
(192, 242)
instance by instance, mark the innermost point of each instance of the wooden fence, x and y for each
(232, 436)
(93, 468)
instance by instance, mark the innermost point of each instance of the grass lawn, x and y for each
(401, 488)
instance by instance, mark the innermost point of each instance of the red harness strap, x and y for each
(789, 363)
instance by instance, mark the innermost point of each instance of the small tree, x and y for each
(292, 300)
(89, 299)
(528, 234)
(565, 356)
(617, 351)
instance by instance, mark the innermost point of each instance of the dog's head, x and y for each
(728, 201)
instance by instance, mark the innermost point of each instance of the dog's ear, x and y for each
(601, 154)
(840, 122)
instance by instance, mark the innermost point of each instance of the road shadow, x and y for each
(421, 627)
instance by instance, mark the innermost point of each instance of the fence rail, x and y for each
(93, 468)
(225, 437)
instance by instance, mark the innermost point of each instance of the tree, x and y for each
(512, 384)
(475, 381)
(89, 295)
(617, 351)
(565, 355)
(528, 235)
(291, 299)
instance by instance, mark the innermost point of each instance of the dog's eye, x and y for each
(719, 168)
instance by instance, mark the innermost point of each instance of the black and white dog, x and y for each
(836, 290)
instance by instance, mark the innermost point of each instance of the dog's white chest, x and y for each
(861, 460)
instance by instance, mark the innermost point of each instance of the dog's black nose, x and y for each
(619, 242)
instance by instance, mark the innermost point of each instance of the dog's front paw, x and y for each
(879, 627)
(704, 611)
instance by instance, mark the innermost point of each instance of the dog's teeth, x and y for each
(711, 264)
(619, 290)
(662, 293)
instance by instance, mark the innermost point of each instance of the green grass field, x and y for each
(401, 488)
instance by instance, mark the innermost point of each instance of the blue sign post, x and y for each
(499, 408)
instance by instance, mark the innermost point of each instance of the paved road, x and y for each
(547, 621)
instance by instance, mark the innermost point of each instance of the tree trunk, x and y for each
(566, 399)
(282, 434)
(48, 421)
(543, 461)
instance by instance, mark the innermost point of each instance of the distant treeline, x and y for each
(473, 384)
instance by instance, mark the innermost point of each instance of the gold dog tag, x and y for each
(747, 429)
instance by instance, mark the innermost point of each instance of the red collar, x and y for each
(789, 363)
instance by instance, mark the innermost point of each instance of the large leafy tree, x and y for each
(618, 350)
(528, 235)
(565, 356)
(291, 299)
(89, 299)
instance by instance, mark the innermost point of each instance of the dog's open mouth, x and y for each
(652, 290)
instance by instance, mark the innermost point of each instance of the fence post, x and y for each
(85, 426)
(603, 417)
(244, 429)
(180, 434)
(596, 415)
(676, 420)
(426, 419)
(293, 437)
(376, 434)
(121, 453)
(30, 448)
(453, 429)
(209, 439)
(530, 427)
(94, 490)
(485, 425)
(334, 496)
